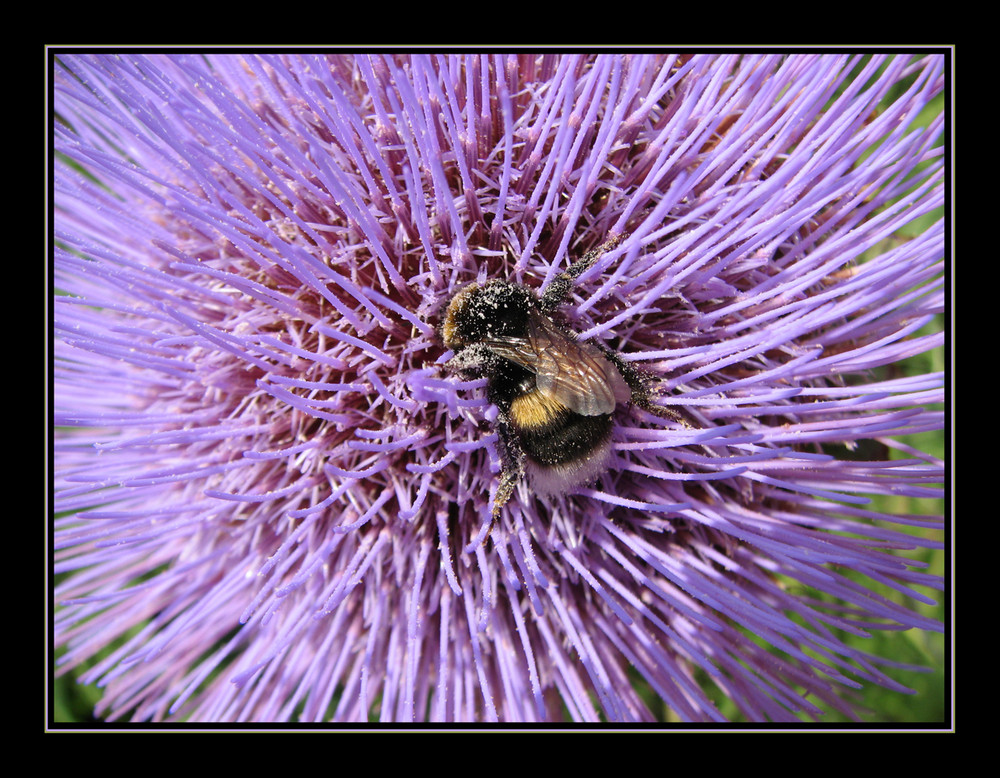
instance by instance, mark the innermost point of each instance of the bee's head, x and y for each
(495, 310)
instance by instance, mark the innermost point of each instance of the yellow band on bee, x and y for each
(535, 409)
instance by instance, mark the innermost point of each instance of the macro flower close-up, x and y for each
(515, 388)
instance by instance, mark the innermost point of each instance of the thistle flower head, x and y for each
(273, 496)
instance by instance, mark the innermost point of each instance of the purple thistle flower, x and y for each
(273, 498)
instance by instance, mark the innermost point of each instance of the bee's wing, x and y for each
(573, 373)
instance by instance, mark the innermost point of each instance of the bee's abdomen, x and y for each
(551, 434)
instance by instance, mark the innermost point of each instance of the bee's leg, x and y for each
(508, 482)
(509, 477)
(660, 410)
(473, 359)
(639, 382)
(512, 458)
(556, 291)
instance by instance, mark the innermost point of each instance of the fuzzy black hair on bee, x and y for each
(555, 395)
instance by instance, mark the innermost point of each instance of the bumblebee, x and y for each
(556, 395)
